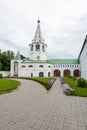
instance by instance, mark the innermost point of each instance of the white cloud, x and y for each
(63, 25)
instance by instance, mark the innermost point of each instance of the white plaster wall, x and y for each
(83, 62)
(5, 73)
(35, 70)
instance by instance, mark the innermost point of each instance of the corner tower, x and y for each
(37, 49)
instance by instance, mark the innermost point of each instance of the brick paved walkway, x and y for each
(32, 108)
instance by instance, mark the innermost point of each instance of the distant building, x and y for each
(37, 65)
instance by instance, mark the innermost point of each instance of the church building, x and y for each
(37, 65)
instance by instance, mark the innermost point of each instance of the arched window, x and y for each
(41, 74)
(30, 66)
(41, 66)
(31, 74)
(37, 47)
(23, 66)
(31, 47)
(43, 48)
(48, 74)
(16, 68)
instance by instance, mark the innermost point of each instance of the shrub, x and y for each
(74, 78)
(70, 76)
(67, 89)
(81, 82)
(50, 83)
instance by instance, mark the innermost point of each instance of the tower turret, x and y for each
(37, 49)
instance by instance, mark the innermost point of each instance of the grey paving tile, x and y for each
(32, 108)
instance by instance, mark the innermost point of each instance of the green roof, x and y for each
(53, 61)
(36, 61)
(64, 61)
(18, 57)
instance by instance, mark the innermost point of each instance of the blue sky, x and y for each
(63, 25)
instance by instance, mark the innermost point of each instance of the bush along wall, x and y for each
(66, 88)
(81, 82)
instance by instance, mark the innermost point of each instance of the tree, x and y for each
(5, 59)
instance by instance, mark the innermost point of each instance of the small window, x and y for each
(49, 66)
(41, 66)
(23, 66)
(30, 66)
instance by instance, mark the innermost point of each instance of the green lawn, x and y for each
(43, 81)
(79, 91)
(7, 85)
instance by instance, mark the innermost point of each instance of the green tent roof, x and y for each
(18, 57)
(64, 61)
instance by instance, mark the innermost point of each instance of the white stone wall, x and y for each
(5, 73)
(25, 71)
(35, 70)
(83, 62)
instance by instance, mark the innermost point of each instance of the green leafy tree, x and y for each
(5, 59)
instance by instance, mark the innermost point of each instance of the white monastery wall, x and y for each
(83, 62)
(5, 73)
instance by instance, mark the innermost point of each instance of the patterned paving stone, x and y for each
(31, 107)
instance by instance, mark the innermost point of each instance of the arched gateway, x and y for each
(66, 73)
(76, 73)
(57, 73)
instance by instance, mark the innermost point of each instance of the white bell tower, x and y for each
(37, 49)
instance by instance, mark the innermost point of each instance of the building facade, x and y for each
(37, 65)
(83, 59)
